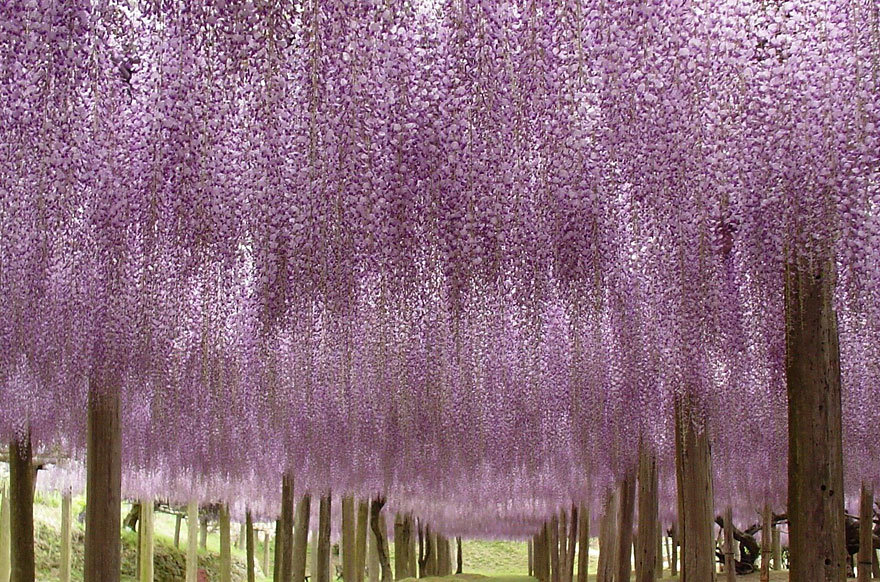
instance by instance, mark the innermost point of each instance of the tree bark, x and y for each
(866, 533)
(673, 550)
(646, 541)
(267, 540)
(66, 523)
(349, 526)
(363, 514)
(531, 547)
(301, 537)
(401, 547)
(21, 503)
(250, 546)
(553, 543)
(562, 542)
(278, 559)
(377, 524)
(286, 537)
(372, 554)
(145, 529)
(323, 566)
(459, 560)
(572, 544)
(225, 545)
(242, 536)
(583, 543)
(815, 450)
(203, 533)
(103, 484)
(777, 548)
(192, 539)
(625, 527)
(607, 541)
(694, 472)
(729, 564)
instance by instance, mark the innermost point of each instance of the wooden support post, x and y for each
(5, 536)
(607, 541)
(225, 545)
(373, 568)
(360, 542)
(673, 546)
(192, 540)
(815, 447)
(531, 545)
(323, 573)
(279, 551)
(267, 542)
(583, 543)
(21, 503)
(348, 545)
(572, 544)
(145, 529)
(250, 546)
(729, 566)
(659, 555)
(66, 523)
(242, 536)
(866, 533)
(402, 546)
(766, 544)
(286, 537)
(103, 483)
(459, 560)
(625, 527)
(777, 548)
(647, 540)
(177, 521)
(553, 543)
(695, 496)
(301, 537)
(203, 533)
(377, 524)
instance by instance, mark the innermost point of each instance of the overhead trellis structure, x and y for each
(473, 257)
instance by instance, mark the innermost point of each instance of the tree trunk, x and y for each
(553, 544)
(729, 564)
(540, 557)
(442, 556)
(286, 537)
(250, 546)
(349, 527)
(242, 536)
(659, 554)
(562, 542)
(459, 561)
(646, 541)
(203, 533)
(434, 559)
(696, 501)
(625, 527)
(277, 559)
(777, 548)
(225, 545)
(413, 556)
(531, 547)
(145, 529)
(301, 537)
(583, 543)
(673, 554)
(21, 503)
(766, 549)
(377, 524)
(866, 533)
(363, 515)
(323, 565)
(815, 449)
(192, 539)
(177, 521)
(103, 484)
(66, 522)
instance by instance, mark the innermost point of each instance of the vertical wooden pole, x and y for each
(301, 537)
(531, 545)
(103, 483)
(583, 543)
(607, 541)
(659, 550)
(562, 541)
(815, 447)
(766, 543)
(729, 566)
(286, 537)
(696, 499)
(267, 542)
(250, 546)
(242, 536)
(177, 521)
(192, 541)
(363, 515)
(646, 541)
(553, 543)
(225, 545)
(372, 555)
(277, 559)
(673, 547)
(145, 528)
(323, 573)
(625, 527)
(203, 533)
(348, 545)
(459, 559)
(866, 533)
(5, 536)
(572, 544)
(64, 567)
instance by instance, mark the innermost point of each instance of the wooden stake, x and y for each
(766, 549)
(225, 545)
(348, 545)
(301, 537)
(583, 543)
(729, 566)
(625, 527)
(286, 537)
(5, 536)
(323, 573)
(192, 541)
(267, 540)
(360, 542)
(64, 567)
(145, 529)
(250, 546)
(866, 533)
(177, 521)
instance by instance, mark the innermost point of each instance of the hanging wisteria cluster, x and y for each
(467, 254)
